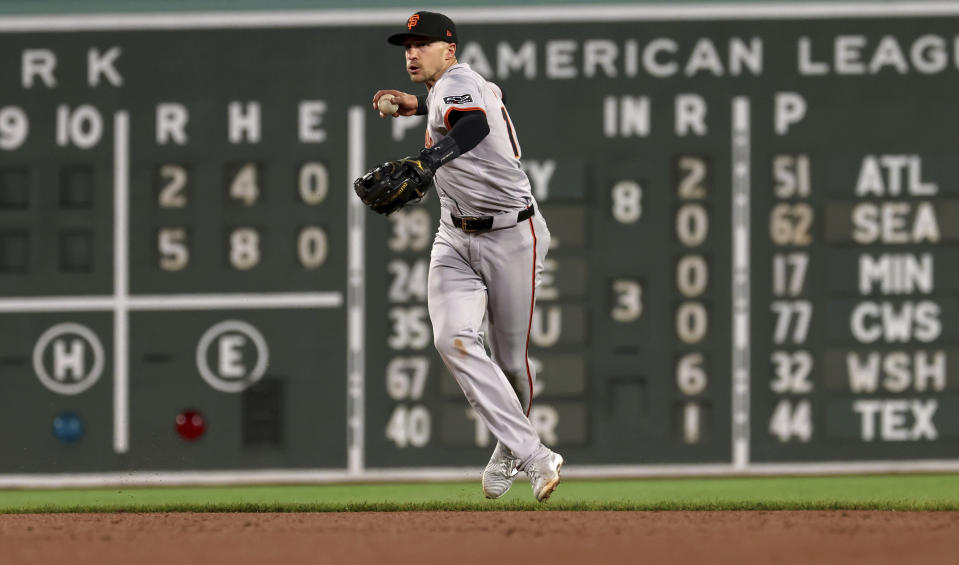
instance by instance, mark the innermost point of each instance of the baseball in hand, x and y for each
(386, 105)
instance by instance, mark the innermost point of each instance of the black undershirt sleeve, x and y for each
(468, 128)
(421, 108)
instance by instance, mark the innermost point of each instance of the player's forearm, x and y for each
(469, 129)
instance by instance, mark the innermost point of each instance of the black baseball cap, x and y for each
(430, 25)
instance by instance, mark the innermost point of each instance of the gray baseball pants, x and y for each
(490, 274)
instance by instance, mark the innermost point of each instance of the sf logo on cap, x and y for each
(413, 21)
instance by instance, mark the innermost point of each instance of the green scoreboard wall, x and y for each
(755, 219)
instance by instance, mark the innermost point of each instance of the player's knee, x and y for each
(515, 366)
(452, 345)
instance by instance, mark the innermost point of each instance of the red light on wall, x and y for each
(190, 425)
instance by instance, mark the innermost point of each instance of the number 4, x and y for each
(244, 187)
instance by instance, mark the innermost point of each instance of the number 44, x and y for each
(790, 421)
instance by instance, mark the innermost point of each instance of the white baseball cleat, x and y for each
(544, 475)
(499, 472)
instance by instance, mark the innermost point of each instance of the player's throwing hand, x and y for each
(407, 103)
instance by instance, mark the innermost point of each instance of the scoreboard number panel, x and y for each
(857, 281)
(753, 227)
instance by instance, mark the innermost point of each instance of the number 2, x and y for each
(172, 195)
(691, 185)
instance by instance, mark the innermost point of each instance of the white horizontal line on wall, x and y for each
(216, 301)
(175, 302)
(322, 476)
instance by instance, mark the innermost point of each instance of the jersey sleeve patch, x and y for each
(461, 99)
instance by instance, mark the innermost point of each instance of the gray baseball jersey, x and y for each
(487, 179)
(488, 275)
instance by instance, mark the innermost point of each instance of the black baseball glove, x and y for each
(392, 185)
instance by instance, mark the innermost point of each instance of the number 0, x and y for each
(314, 183)
(312, 247)
(692, 275)
(692, 224)
(691, 322)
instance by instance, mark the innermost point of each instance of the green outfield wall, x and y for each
(755, 219)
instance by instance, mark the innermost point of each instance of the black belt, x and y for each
(471, 224)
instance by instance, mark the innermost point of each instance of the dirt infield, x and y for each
(482, 537)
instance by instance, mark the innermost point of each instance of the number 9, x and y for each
(14, 127)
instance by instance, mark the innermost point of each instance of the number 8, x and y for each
(627, 201)
(244, 248)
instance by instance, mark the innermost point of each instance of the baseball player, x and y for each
(487, 257)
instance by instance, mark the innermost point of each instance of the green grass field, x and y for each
(895, 492)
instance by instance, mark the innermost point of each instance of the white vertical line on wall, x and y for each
(355, 294)
(741, 166)
(121, 290)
